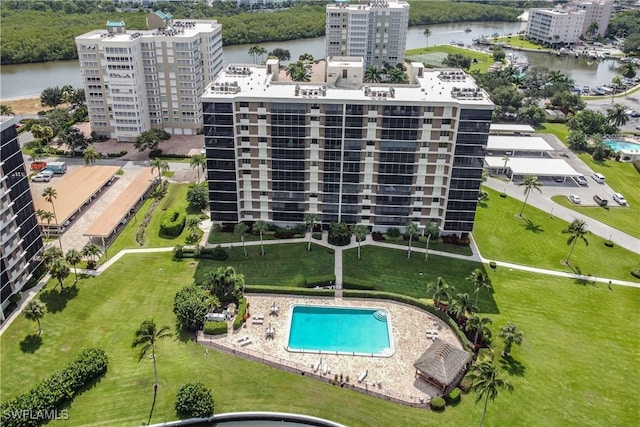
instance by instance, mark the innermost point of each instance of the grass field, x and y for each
(437, 53)
(537, 240)
(560, 130)
(577, 340)
(518, 41)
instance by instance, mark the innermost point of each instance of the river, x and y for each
(30, 79)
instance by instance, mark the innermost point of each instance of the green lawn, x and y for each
(217, 236)
(434, 245)
(518, 41)
(577, 340)
(537, 240)
(560, 130)
(424, 54)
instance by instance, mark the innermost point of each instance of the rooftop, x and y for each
(518, 143)
(533, 166)
(176, 29)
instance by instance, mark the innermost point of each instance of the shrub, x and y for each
(453, 396)
(465, 384)
(15, 298)
(608, 243)
(635, 272)
(215, 328)
(56, 390)
(198, 196)
(194, 400)
(190, 307)
(394, 232)
(242, 310)
(217, 253)
(172, 223)
(437, 404)
(177, 251)
(377, 236)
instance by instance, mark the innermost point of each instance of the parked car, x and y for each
(43, 176)
(598, 177)
(575, 199)
(581, 180)
(619, 198)
(600, 201)
(634, 113)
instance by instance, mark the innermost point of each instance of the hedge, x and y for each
(437, 404)
(288, 290)
(242, 310)
(172, 223)
(215, 328)
(218, 253)
(453, 396)
(416, 303)
(55, 391)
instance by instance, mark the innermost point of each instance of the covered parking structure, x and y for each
(74, 190)
(517, 146)
(106, 226)
(510, 129)
(522, 166)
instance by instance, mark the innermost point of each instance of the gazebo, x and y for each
(442, 365)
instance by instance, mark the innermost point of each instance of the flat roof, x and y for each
(518, 143)
(104, 225)
(74, 189)
(533, 166)
(181, 31)
(506, 127)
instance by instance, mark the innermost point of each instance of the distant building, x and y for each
(138, 80)
(375, 31)
(566, 24)
(21, 242)
(376, 154)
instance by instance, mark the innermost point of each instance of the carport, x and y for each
(522, 166)
(510, 129)
(106, 225)
(74, 190)
(517, 145)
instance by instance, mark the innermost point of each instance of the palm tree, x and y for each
(360, 232)
(617, 115)
(260, 227)
(45, 216)
(461, 305)
(90, 155)
(432, 229)
(59, 270)
(310, 221)
(481, 327)
(616, 82)
(197, 162)
(192, 226)
(224, 281)
(297, 72)
(480, 281)
(628, 70)
(372, 75)
(240, 229)
(51, 253)
(161, 165)
(50, 195)
(486, 382)
(146, 337)
(253, 52)
(91, 252)
(396, 75)
(506, 160)
(427, 34)
(74, 257)
(439, 290)
(510, 335)
(35, 310)
(530, 182)
(411, 230)
(578, 231)
(592, 29)
(6, 110)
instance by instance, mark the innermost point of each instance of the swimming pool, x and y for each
(622, 145)
(340, 330)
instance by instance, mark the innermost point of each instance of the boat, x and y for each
(467, 30)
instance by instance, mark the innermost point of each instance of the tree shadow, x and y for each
(512, 366)
(57, 300)
(584, 279)
(530, 226)
(183, 335)
(153, 404)
(31, 343)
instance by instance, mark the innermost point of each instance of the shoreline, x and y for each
(24, 106)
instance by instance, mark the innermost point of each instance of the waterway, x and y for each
(30, 79)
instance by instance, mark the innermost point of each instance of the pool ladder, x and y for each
(380, 315)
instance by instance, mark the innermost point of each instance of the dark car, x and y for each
(600, 201)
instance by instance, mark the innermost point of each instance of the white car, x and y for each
(575, 199)
(619, 198)
(581, 180)
(44, 176)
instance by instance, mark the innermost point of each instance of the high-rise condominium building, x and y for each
(376, 154)
(598, 12)
(20, 238)
(375, 30)
(555, 26)
(138, 80)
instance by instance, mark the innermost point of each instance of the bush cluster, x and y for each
(437, 404)
(453, 396)
(172, 223)
(215, 328)
(635, 272)
(218, 253)
(194, 400)
(190, 307)
(60, 387)
(242, 310)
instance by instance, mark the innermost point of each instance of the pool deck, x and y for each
(390, 376)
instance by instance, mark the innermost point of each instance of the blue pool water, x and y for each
(622, 145)
(346, 330)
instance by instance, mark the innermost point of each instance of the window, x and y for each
(244, 104)
(443, 144)
(244, 127)
(246, 161)
(428, 121)
(444, 133)
(372, 120)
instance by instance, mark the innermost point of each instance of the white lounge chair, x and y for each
(363, 375)
(246, 342)
(316, 365)
(242, 339)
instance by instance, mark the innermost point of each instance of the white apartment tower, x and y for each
(140, 80)
(598, 12)
(374, 30)
(554, 26)
(378, 154)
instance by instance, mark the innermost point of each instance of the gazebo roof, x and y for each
(442, 362)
